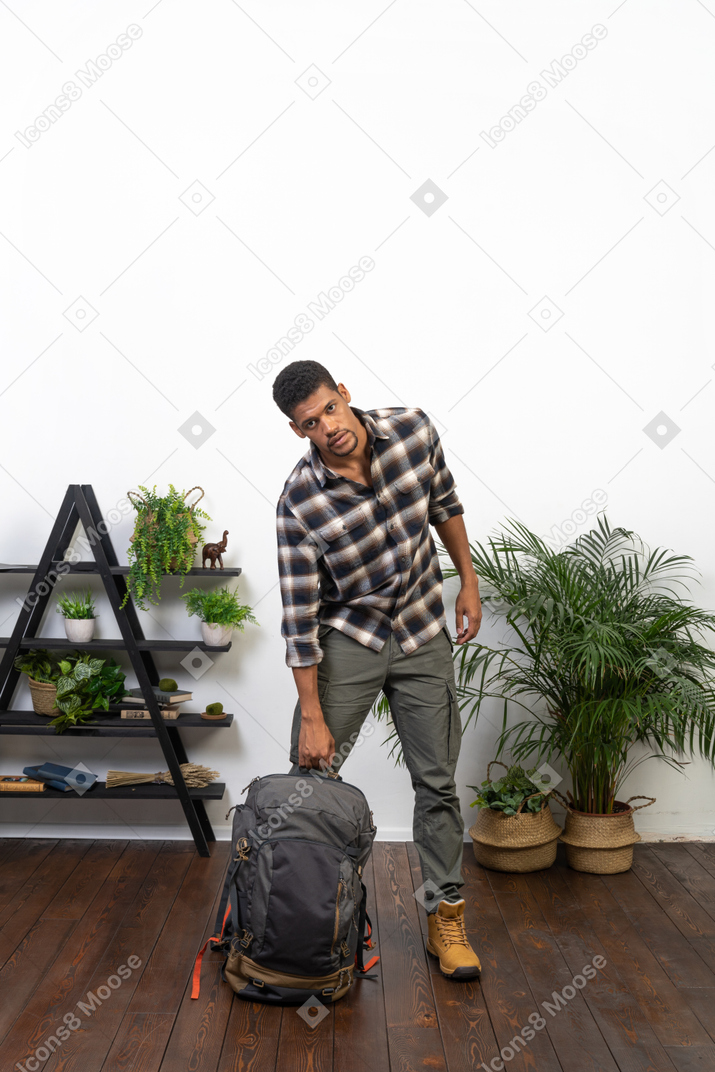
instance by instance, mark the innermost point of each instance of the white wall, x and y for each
(294, 191)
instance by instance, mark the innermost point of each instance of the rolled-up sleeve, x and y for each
(443, 501)
(298, 573)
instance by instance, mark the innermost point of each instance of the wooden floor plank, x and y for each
(693, 1058)
(138, 931)
(151, 1012)
(662, 936)
(8, 846)
(467, 1032)
(67, 981)
(615, 1010)
(699, 851)
(251, 1040)
(413, 1030)
(574, 1034)
(27, 966)
(503, 984)
(77, 893)
(304, 1045)
(45, 895)
(75, 913)
(663, 1003)
(35, 895)
(197, 1039)
(44, 874)
(28, 855)
(360, 1028)
(691, 919)
(701, 1002)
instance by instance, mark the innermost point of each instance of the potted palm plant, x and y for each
(605, 653)
(220, 612)
(77, 609)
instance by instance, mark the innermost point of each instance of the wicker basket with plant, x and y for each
(514, 830)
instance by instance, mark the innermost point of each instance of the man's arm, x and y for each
(316, 745)
(445, 514)
(298, 572)
(453, 535)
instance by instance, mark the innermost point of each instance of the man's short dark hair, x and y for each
(299, 381)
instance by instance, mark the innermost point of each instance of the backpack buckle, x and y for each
(243, 848)
(246, 939)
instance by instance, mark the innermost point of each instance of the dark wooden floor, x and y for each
(72, 912)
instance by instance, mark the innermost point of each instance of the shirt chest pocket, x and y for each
(337, 542)
(411, 496)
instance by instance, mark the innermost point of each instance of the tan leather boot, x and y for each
(448, 941)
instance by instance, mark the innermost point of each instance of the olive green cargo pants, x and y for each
(421, 691)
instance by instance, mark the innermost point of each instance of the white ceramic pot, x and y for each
(79, 630)
(216, 636)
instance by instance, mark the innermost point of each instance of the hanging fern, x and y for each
(166, 532)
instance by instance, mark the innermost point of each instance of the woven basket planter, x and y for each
(43, 698)
(522, 842)
(602, 844)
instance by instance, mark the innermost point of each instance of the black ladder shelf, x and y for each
(79, 507)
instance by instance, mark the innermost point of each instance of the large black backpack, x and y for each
(293, 920)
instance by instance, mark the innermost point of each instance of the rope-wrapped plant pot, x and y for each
(43, 697)
(602, 844)
(523, 842)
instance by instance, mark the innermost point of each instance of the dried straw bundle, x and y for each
(195, 777)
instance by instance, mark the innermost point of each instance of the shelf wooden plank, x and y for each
(27, 723)
(99, 790)
(123, 571)
(62, 643)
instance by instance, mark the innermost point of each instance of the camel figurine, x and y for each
(214, 551)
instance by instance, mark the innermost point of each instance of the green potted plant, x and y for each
(166, 531)
(220, 612)
(43, 670)
(605, 652)
(77, 609)
(86, 685)
(514, 830)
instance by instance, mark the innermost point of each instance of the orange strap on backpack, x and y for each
(196, 980)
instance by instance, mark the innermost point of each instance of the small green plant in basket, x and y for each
(516, 787)
(40, 665)
(166, 531)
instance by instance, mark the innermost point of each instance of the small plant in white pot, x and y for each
(78, 612)
(220, 612)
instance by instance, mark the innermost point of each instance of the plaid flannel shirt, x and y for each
(363, 559)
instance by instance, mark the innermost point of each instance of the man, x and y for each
(362, 611)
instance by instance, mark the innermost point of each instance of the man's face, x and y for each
(327, 420)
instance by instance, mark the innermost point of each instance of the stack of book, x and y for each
(19, 783)
(133, 703)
